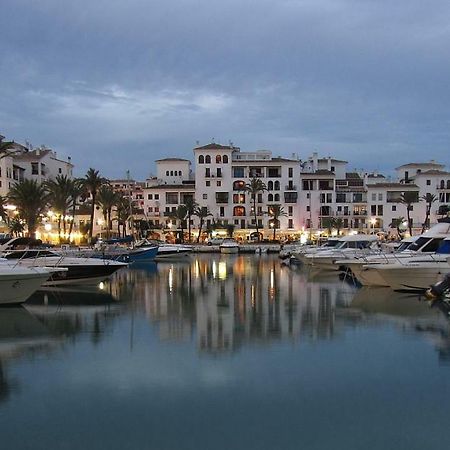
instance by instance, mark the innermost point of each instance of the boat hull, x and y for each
(16, 288)
(413, 278)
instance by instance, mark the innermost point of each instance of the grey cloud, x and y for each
(118, 84)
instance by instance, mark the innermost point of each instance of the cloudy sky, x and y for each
(117, 84)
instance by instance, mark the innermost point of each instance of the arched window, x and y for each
(218, 159)
(442, 184)
(171, 173)
(207, 159)
(448, 184)
(270, 198)
(201, 159)
(239, 211)
(270, 185)
(277, 186)
(277, 197)
(180, 173)
(167, 173)
(225, 159)
(238, 185)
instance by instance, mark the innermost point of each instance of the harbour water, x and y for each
(224, 352)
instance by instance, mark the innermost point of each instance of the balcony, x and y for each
(291, 188)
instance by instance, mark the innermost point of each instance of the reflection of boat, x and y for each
(80, 270)
(72, 296)
(229, 246)
(18, 283)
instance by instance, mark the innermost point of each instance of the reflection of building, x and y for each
(233, 300)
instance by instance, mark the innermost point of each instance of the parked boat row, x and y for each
(415, 265)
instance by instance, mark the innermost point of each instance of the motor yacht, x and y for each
(17, 283)
(166, 251)
(428, 243)
(229, 246)
(348, 247)
(79, 270)
(305, 250)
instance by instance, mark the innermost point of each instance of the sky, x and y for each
(118, 84)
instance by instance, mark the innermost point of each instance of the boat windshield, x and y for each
(403, 246)
(444, 247)
(332, 243)
(419, 243)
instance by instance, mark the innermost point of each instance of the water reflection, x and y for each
(233, 300)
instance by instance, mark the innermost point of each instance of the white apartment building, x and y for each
(171, 187)
(42, 164)
(221, 173)
(310, 191)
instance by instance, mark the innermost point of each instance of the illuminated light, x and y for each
(101, 285)
(197, 269)
(48, 227)
(50, 213)
(353, 233)
(222, 270)
(303, 239)
(252, 295)
(171, 279)
(373, 220)
(100, 222)
(214, 269)
(272, 278)
(11, 207)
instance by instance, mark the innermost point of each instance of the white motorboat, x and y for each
(229, 246)
(79, 270)
(428, 243)
(17, 283)
(167, 251)
(301, 253)
(348, 247)
(416, 273)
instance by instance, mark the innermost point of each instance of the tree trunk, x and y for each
(409, 220)
(72, 221)
(256, 216)
(189, 228)
(59, 229)
(200, 226)
(91, 225)
(274, 232)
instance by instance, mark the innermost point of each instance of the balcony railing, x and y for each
(291, 188)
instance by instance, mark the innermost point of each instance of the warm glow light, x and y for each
(101, 285)
(48, 227)
(373, 220)
(222, 270)
(171, 279)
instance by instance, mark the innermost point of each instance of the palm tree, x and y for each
(408, 198)
(396, 224)
(107, 199)
(338, 224)
(180, 215)
(16, 226)
(190, 205)
(275, 211)
(92, 183)
(59, 191)
(76, 190)
(255, 187)
(429, 199)
(122, 214)
(30, 199)
(202, 212)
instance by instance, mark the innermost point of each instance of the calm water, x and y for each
(231, 352)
